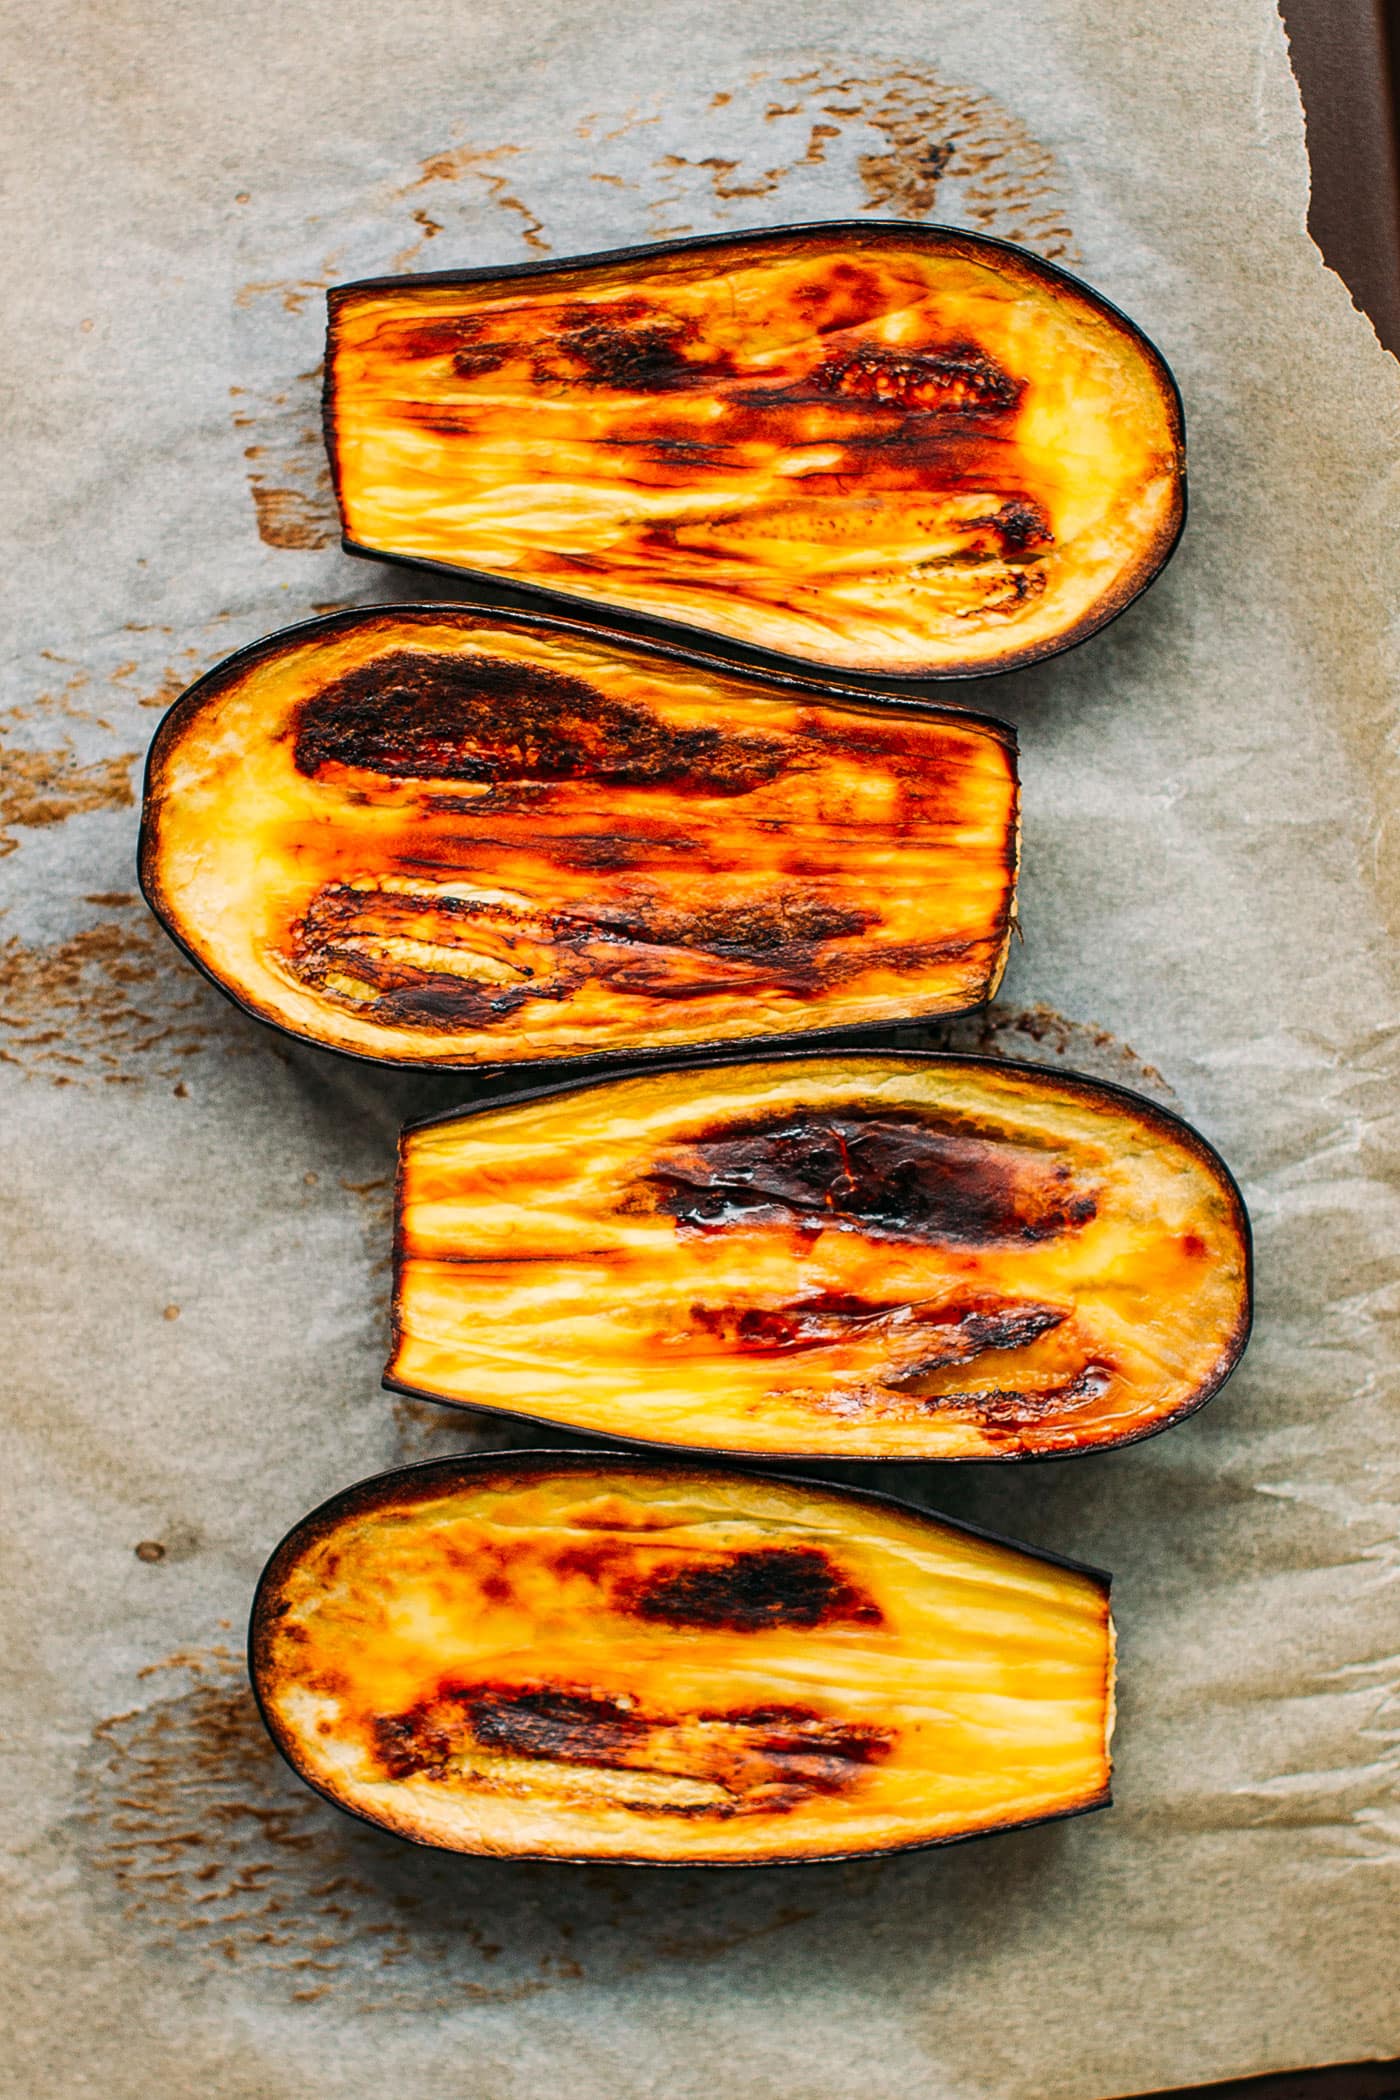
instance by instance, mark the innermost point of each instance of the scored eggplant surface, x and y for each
(439, 836)
(854, 1256)
(551, 1654)
(896, 449)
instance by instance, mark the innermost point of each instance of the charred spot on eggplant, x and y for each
(837, 1256)
(413, 716)
(757, 1760)
(885, 1176)
(904, 450)
(947, 1333)
(997, 1406)
(962, 380)
(607, 352)
(566, 1726)
(769, 1586)
(444, 836)
(552, 1655)
(792, 921)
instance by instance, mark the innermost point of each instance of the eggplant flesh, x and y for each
(844, 1256)
(430, 835)
(557, 1655)
(902, 450)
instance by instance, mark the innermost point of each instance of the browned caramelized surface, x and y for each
(602, 1659)
(897, 449)
(444, 836)
(851, 1256)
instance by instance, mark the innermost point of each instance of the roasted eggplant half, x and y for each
(895, 449)
(557, 1655)
(433, 835)
(836, 1256)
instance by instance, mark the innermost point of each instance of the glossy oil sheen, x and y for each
(895, 449)
(438, 836)
(552, 1655)
(844, 1255)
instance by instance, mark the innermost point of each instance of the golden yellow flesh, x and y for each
(854, 1256)
(615, 1661)
(893, 450)
(443, 837)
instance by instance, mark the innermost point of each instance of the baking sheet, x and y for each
(196, 1259)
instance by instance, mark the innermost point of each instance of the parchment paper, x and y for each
(197, 1213)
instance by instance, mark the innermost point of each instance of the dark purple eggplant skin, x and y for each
(483, 585)
(832, 694)
(475, 1465)
(1141, 1105)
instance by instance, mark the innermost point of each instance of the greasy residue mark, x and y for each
(918, 147)
(95, 695)
(162, 688)
(1042, 1036)
(901, 1176)
(293, 295)
(219, 1861)
(480, 164)
(754, 1591)
(219, 1855)
(110, 1002)
(376, 1204)
(288, 476)
(46, 787)
(288, 517)
(428, 230)
(44, 781)
(725, 178)
(426, 1429)
(938, 137)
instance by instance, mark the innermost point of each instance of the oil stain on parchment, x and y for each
(110, 1003)
(422, 1429)
(1035, 1034)
(288, 476)
(895, 142)
(43, 787)
(474, 165)
(91, 992)
(55, 755)
(825, 138)
(375, 1202)
(1039, 1035)
(216, 1856)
